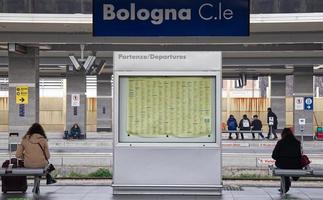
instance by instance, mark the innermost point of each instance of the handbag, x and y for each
(50, 167)
(305, 161)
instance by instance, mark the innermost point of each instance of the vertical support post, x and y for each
(278, 98)
(104, 103)
(76, 107)
(303, 87)
(23, 73)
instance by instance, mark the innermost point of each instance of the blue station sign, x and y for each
(171, 18)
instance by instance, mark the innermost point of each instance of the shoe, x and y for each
(287, 189)
(275, 138)
(50, 168)
(50, 180)
(267, 138)
(230, 138)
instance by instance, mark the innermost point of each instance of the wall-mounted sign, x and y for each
(171, 18)
(22, 95)
(21, 110)
(308, 103)
(75, 100)
(299, 103)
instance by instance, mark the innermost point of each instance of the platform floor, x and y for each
(105, 193)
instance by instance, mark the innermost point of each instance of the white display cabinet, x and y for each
(167, 110)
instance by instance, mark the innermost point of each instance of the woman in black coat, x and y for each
(287, 153)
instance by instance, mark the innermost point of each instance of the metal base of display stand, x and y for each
(168, 189)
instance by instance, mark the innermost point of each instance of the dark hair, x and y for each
(36, 128)
(244, 116)
(255, 116)
(269, 109)
(288, 134)
(231, 116)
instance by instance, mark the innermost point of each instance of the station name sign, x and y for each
(171, 18)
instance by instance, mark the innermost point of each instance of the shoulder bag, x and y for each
(50, 166)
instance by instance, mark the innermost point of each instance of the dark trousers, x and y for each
(287, 182)
(230, 133)
(273, 131)
(260, 133)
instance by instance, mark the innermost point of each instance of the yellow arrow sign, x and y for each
(22, 95)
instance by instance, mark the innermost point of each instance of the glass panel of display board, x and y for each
(167, 109)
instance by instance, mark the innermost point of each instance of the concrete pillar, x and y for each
(23, 73)
(303, 87)
(104, 103)
(289, 85)
(263, 84)
(76, 107)
(278, 98)
(318, 86)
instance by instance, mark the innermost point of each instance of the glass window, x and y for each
(68, 6)
(16, 6)
(44, 6)
(290, 6)
(87, 7)
(167, 109)
(1, 6)
(314, 6)
(262, 6)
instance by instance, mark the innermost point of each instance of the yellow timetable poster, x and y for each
(169, 106)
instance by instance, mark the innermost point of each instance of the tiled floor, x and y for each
(105, 193)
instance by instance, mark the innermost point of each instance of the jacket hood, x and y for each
(35, 138)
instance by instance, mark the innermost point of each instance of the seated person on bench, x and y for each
(287, 154)
(34, 150)
(75, 131)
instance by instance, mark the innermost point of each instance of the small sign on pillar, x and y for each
(75, 100)
(22, 95)
(308, 103)
(299, 103)
(21, 110)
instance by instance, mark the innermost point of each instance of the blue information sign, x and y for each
(308, 103)
(171, 18)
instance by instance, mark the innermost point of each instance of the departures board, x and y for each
(167, 109)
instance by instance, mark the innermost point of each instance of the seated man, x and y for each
(75, 131)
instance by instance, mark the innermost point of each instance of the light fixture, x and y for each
(96, 69)
(89, 62)
(318, 67)
(75, 62)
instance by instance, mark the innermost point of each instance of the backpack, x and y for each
(245, 123)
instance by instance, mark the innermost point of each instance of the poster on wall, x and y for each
(75, 100)
(299, 103)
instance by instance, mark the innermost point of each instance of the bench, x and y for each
(243, 131)
(293, 173)
(37, 173)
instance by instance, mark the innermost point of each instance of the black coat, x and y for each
(256, 125)
(287, 153)
(272, 114)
